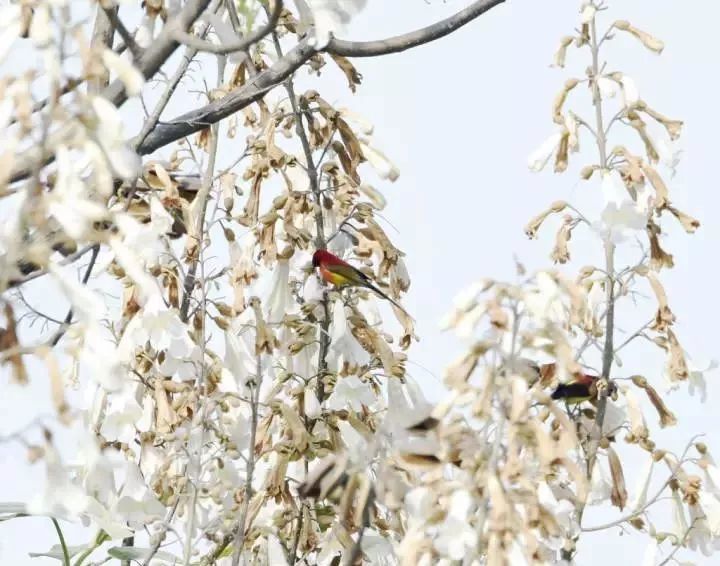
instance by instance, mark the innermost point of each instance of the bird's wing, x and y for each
(348, 274)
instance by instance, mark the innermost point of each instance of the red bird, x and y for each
(581, 387)
(341, 274)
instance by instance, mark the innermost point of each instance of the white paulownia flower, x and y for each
(136, 503)
(351, 393)
(122, 413)
(544, 299)
(329, 17)
(68, 201)
(342, 341)
(642, 485)
(651, 554)
(456, 536)
(587, 12)
(128, 73)
(385, 168)
(539, 158)
(621, 213)
(10, 27)
(278, 300)
(61, 497)
(109, 132)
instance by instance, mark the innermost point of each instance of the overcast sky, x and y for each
(459, 118)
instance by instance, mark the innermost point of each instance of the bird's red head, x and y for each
(323, 256)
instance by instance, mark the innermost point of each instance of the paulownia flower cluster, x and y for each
(519, 472)
(233, 409)
(223, 368)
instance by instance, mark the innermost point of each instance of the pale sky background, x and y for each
(459, 118)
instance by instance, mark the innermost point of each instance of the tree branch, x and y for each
(196, 120)
(412, 39)
(240, 44)
(127, 37)
(153, 58)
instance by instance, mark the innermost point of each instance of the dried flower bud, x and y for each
(689, 223)
(618, 496)
(659, 258)
(664, 317)
(588, 171)
(661, 191)
(560, 100)
(561, 253)
(676, 364)
(667, 418)
(222, 323)
(559, 59)
(534, 225)
(652, 43)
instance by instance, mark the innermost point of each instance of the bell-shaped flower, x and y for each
(651, 554)
(701, 536)
(145, 239)
(342, 341)
(544, 299)
(278, 299)
(109, 132)
(157, 324)
(60, 497)
(351, 393)
(331, 17)
(621, 213)
(124, 69)
(456, 535)
(121, 415)
(68, 202)
(697, 373)
(639, 497)
(385, 168)
(539, 158)
(137, 504)
(561, 510)
(239, 361)
(600, 484)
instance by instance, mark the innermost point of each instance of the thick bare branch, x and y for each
(153, 58)
(414, 38)
(196, 120)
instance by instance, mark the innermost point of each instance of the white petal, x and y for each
(379, 161)
(608, 87)
(587, 13)
(629, 91)
(127, 72)
(652, 553)
(540, 157)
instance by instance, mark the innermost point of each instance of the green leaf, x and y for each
(12, 507)
(56, 552)
(135, 553)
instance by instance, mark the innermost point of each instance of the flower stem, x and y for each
(66, 554)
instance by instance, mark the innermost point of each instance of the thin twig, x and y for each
(241, 44)
(240, 529)
(190, 279)
(112, 15)
(68, 318)
(172, 84)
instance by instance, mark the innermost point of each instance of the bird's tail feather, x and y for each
(388, 298)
